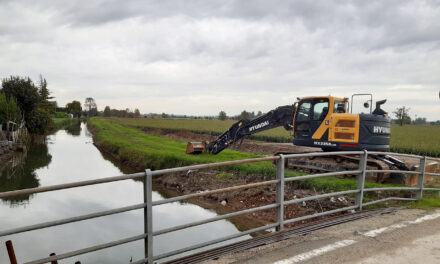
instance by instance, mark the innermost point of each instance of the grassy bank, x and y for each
(141, 150)
(146, 151)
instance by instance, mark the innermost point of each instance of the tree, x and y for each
(402, 115)
(42, 89)
(74, 108)
(164, 115)
(90, 107)
(137, 113)
(259, 113)
(34, 107)
(244, 115)
(222, 115)
(9, 110)
(420, 121)
(107, 111)
(24, 91)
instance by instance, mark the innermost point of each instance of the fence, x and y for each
(279, 182)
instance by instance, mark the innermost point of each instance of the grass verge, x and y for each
(425, 204)
(142, 150)
(60, 123)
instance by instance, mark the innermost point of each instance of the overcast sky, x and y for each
(200, 57)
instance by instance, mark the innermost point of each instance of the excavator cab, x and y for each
(324, 122)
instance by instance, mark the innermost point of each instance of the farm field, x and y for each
(422, 140)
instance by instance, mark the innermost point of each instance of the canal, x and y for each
(67, 156)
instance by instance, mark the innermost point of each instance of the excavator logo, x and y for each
(381, 130)
(258, 126)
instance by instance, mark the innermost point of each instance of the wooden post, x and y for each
(11, 252)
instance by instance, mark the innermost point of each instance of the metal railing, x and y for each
(280, 182)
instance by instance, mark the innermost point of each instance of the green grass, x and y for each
(213, 127)
(422, 140)
(425, 204)
(60, 123)
(224, 176)
(143, 150)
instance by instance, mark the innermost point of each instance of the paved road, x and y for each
(406, 236)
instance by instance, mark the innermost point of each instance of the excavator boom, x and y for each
(281, 116)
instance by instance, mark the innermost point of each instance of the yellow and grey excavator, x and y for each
(322, 121)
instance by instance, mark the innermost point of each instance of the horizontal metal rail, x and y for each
(205, 193)
(72, 185)
(88, 249)
(320, 175)
(394, 171)
(388, 199)
(213, 165)
(71, 219)
(395, 154)
(213, 219)
(432, 174)
(315, 197)
(391, 189)
(320, 154)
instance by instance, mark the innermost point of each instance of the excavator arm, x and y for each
(281, 116)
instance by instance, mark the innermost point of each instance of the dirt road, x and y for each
(406, 236)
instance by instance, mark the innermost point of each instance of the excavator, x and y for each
(322, 122)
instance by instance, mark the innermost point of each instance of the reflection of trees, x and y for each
(22, 176)
(74, 130)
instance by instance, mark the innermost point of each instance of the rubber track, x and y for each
(278, 236)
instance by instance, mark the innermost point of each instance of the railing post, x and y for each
(148, 215)
(361, 179)
(11, 252)
(421, 178)
(280, 193)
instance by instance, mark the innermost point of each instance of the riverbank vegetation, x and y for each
(27, 108)
(138, 149)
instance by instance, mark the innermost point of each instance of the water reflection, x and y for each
(19, 172)
(74, 130)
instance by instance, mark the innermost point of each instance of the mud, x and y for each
(197, 181)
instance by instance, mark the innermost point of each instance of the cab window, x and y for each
(304, 111)
(320, 110)
(341, 105)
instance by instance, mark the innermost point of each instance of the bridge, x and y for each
(281, 232)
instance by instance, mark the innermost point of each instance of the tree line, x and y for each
(24, 102)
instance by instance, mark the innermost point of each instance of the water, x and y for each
(68, 156)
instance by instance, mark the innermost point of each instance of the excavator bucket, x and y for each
(195, 148)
